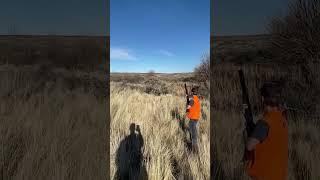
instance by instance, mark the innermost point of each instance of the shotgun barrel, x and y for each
(247, 111)
(185, 87)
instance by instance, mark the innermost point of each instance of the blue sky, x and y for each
(244, 17)
(164, 36)
(61, 17)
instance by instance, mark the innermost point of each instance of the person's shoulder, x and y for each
(262, 121)
(196, 96)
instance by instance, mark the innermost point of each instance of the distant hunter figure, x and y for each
(193, 113)
(267, 146)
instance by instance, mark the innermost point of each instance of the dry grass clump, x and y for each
(49, 130)
(155, 86)
(165, 153)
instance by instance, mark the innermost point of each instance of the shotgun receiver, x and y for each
(247, 111)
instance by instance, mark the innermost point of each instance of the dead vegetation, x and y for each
(52, 123)
(157, 104)
(160, 84)
(71, 52)
(202, 74)
(295, 36)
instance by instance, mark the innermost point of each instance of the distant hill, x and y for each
(83, 52)
(138, 77)
(241, 49)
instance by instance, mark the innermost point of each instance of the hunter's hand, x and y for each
(248, 155)
(244, 107)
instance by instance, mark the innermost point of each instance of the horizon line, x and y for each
(153, 72)
(236, 35)
(60, 35)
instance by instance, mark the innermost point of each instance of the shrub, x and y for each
(296, 41)
(296, 36)
(151, 73)
(202, 74)
(156, 87)
(202, 71)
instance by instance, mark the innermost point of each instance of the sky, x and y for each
(60, 17)
(166, 36)
(244, 17)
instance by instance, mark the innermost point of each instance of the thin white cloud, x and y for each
(121, 54)
(166, 53)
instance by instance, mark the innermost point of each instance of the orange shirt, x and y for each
(195, 109)
(271, 155)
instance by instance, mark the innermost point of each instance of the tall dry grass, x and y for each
(304, 122)
(165, 151)
(49, 130)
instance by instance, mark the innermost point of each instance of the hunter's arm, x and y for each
(252, 143)
(191, 102)
(259, 134)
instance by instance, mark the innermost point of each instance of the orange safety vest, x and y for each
(194, 111)
(271, 155)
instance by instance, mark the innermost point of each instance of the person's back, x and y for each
(267, 145)
(271, 155)
(194, 110)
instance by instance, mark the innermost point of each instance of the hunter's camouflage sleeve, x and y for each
(190, 103)
(260, 131)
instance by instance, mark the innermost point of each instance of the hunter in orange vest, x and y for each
(193, 113)
(267, 146)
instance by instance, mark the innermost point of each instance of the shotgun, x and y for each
(187, 94)
(249, 124)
